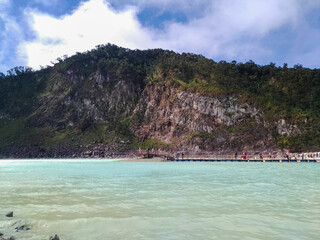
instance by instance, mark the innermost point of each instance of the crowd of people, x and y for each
(245, 156)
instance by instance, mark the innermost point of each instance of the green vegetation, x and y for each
(150, 143)
(203, 135)
(281, 92)
(18, 133)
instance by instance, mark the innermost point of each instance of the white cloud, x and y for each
(231, 28)
(10, 35)
(4, 2)
(93, 23)
(225, 29)
(4, 5)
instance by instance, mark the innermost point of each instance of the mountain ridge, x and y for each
(117, 100)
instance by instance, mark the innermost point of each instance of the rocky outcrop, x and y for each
(196, 121)
(80, 101)
(55, 237)
(10, 238)
(286, 129)
(9, 214)
(110, 98)
(17, 226)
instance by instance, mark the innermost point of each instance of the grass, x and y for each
(17, 132)
(201, 86)
(203, 135)
(150, 143)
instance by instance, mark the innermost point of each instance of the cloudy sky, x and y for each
(36, 32)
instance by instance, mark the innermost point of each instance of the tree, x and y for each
(297, 66)
(16, 71)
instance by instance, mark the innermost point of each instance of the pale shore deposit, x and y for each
(155, 159)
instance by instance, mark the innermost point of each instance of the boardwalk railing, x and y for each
(227, 158)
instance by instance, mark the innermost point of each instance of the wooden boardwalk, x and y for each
(169, 157)
(241, 160)
(165, 156)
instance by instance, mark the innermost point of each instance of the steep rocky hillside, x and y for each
(113, 99)
(190, 120)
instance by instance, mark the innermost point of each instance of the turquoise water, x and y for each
(159, 200)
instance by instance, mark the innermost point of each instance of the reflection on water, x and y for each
(81, 199)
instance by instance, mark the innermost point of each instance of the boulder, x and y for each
(10, 238)
(55, 237)
(21, 228)
(9, 214)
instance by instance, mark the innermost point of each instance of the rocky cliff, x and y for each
(195, 122)
(112, 100)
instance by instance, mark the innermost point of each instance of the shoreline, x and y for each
(155, 159)
(125, 159)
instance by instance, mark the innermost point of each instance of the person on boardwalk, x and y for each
(287, 156)
(236, 155)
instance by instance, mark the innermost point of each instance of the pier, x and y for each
(229, 158)
(214, 159)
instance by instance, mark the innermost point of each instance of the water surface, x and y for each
(101, 199)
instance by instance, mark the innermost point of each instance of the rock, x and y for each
(9, 214)
(21, 228)
(10, 238)
(55, 237)
(1, 234)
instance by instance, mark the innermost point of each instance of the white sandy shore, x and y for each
(135, 159)
(155, 159)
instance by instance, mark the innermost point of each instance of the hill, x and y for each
(112, 99)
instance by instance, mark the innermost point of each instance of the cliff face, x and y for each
(113, 99)
(72, 100)
(194, 122)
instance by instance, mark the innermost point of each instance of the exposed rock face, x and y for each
(183, 119)
(285, 129)
(82, 100)
(99, 103)
(197, 122)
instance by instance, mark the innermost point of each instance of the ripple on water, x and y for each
(95, 200)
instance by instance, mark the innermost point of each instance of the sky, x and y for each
(35, 33)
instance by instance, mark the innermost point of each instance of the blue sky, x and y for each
(36, 32)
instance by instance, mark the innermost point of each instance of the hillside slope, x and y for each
(113, 99)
